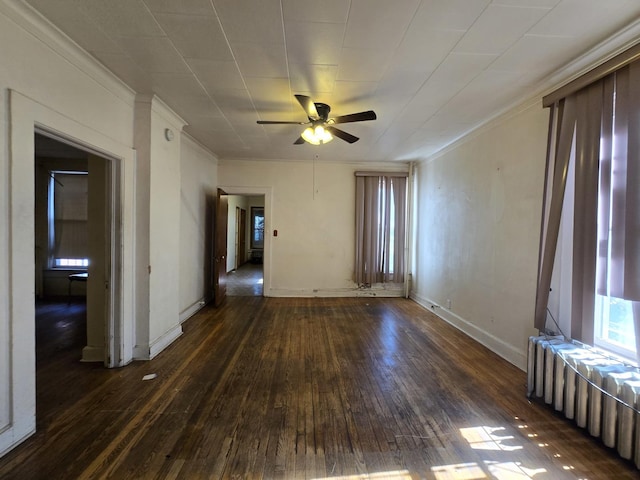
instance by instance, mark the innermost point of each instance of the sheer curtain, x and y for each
(380, 227)
(601, 122)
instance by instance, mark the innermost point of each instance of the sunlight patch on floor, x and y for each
(394, 475)
(485, 438)
(493, 470)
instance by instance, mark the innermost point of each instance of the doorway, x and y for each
(245, 234)
(73, 230)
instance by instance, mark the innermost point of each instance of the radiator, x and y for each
(571, 379)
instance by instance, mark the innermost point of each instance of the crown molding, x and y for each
(594, 57)
(198, 145)
(165, 111)
(32, 22)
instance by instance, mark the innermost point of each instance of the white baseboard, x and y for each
(147, 352)
(14, 435)
(164, 341)
(92, 354)
(336, 292)
(190, 311)
(507, 351)
(141, 352)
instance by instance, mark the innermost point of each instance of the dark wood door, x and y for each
(242, 237)
(220, 249)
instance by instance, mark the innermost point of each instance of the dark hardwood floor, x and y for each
(302, 388)
(245, 281)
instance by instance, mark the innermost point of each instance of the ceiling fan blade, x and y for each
(308, 106)
(356, 117)
(347, 137)
(299, 141)
(272, 122)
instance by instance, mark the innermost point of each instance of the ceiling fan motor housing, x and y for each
(321, 124)
(323, 110)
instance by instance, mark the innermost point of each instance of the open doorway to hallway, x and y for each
(245, 245)
(72, 239)
(73, 230)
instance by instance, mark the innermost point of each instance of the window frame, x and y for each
(54, 262)
(255, 213)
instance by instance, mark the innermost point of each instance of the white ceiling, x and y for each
(431, 69)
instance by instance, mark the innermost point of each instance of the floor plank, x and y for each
(272, 388)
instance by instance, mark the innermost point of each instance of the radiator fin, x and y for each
(570, 378)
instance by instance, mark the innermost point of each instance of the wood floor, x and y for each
(302, 388)
(245, 281)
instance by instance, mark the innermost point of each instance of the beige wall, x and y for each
(198, 178)
(478, 211)
(313, 209)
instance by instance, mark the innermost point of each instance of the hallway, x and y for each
(246, 281)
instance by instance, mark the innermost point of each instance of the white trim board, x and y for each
(510, 353)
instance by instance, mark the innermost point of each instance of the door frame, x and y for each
(267, 192)
(17, 243)
(112, 321)
(220, 248)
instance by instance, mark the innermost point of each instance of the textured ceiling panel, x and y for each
(431, 69)
(196, 36)
(314, 43)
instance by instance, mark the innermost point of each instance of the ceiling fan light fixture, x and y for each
(321, 128)
(316, 135)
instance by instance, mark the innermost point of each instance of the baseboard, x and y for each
(11, 437)
(507, 351)
(164, 341)
(92, 354)
(141, 352)
(337, 292)
(190, 311)
(147, 352)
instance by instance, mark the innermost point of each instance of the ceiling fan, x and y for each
(321, 128)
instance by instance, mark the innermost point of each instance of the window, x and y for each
(596, 131)
(257, 227)
(614, 328)
(613, 320)
(67, 213)
(380, 228)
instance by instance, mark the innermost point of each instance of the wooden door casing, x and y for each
(220, 249)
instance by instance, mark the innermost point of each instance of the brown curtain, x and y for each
(619, 231)
(587, 154)
(620, 190)
(602, 123)
(380, 228)
(558, 161)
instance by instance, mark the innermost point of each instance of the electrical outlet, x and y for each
(448, 304)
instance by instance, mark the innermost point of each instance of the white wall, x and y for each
(198, 179)
(164, 236)
(53, 91)
(312, 206)
(157, 221)
(478, 210)
(64, 92)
